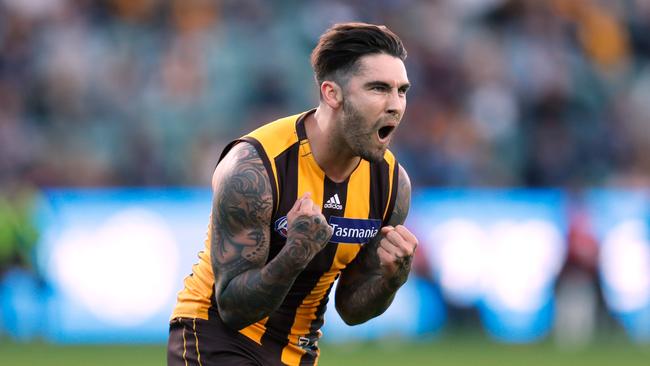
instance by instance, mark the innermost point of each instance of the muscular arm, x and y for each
(367, 287)
(246, 289)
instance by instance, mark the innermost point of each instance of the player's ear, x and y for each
(332, 93)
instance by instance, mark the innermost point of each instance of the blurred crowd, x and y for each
(147, 92)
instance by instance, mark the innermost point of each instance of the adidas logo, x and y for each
(333, 203)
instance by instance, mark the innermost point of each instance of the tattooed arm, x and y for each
(247, 290)
(368, 285)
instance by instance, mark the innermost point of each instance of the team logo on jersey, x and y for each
(344, 230)
(281, 226)
(334, 203)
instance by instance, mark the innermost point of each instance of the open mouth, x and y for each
(385, 131)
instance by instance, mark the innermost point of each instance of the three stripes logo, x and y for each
(334, 203)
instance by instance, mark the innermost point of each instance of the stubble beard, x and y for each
(358, 138)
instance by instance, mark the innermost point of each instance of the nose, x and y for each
(395, 105)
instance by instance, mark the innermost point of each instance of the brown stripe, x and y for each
(196, 339)
(184, 346)
(191, 356)
(322, 264)
(300, 125)
(309, 358)
(393, 194)
(286, 165)
(280, 323)
(287, 170)
(330, 189)
(379, 175)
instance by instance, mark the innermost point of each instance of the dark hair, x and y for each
(341, 46)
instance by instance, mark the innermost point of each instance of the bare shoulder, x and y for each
(242, 160)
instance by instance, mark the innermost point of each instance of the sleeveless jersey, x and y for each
(356, 209)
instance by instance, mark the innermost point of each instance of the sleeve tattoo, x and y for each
(363, 291)
(248, 290)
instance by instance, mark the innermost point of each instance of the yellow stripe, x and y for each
(390, 159)
(305, 314)
(310, 175)
(196, 338)
(310, 179)
(356, 205)
(275, 138)
(255, 331)
(184, 346)
(193, 300)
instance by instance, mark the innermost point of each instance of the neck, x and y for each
(329, 149)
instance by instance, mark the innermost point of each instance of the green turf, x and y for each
(479, 352)
(449, 352)
(36, 354)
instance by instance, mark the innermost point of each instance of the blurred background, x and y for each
(526, 137)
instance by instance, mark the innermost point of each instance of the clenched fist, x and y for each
(395, 252)
(307, 230)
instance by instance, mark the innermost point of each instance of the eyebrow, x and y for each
(384, 84)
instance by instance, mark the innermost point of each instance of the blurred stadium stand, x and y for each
(507, 94)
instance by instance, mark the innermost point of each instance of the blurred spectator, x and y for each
(578, 305)
(506, 92)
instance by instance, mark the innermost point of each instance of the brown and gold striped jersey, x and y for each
(356, 209)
